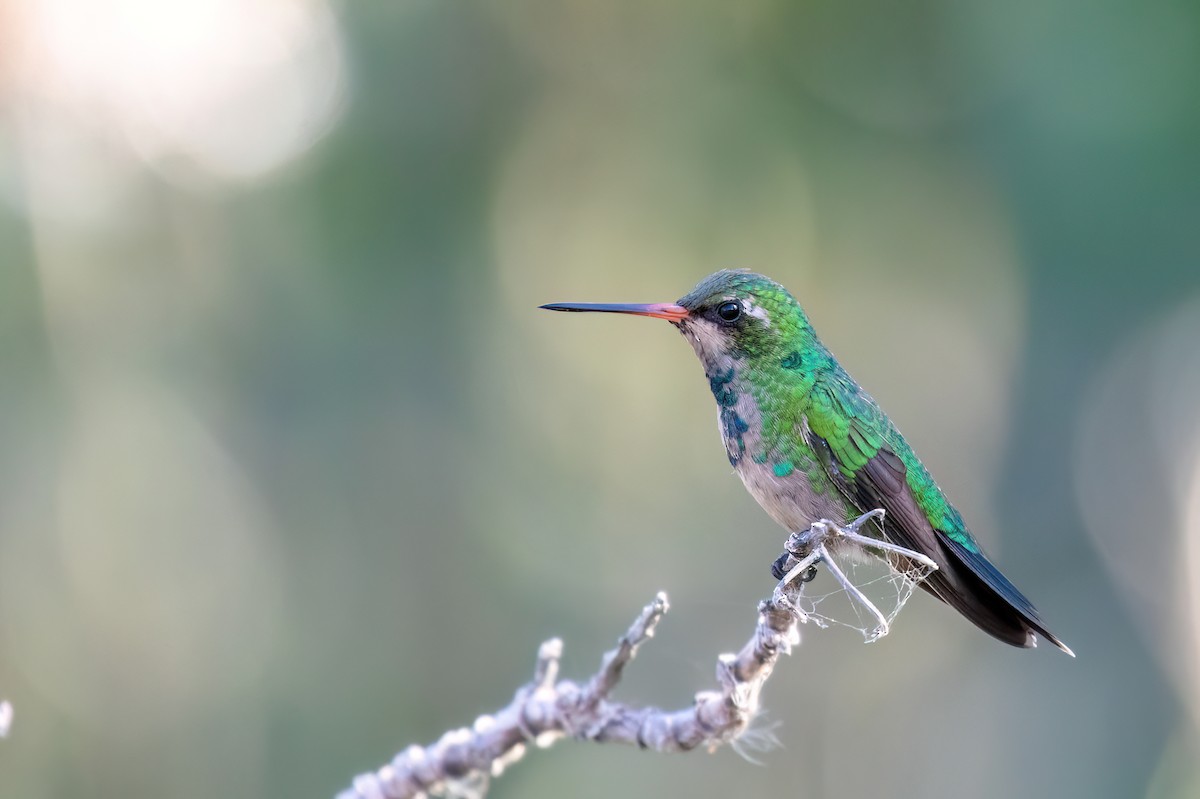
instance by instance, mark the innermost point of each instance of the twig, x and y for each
(547, 709)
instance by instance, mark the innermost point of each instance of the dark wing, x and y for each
(857, 446)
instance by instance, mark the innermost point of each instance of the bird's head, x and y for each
(729, 315)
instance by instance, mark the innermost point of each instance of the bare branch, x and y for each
(547, 709)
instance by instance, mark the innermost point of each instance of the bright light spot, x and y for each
(236, 89)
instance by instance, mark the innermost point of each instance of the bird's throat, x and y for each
(736, 409)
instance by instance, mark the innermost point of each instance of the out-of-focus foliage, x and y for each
(292, 473)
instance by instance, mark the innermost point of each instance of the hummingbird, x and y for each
(809, 443)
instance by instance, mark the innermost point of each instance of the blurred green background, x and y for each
(293, 474)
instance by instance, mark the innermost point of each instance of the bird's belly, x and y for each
(794, 500)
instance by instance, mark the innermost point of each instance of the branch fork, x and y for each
(547, 709)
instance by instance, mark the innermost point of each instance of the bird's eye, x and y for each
(729, 311)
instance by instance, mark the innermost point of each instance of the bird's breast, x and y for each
(785, 480)
(795, 497)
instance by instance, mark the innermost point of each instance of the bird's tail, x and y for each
(969, 583)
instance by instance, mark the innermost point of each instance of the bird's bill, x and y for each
(659, 310)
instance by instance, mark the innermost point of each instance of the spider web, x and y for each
(887, 584)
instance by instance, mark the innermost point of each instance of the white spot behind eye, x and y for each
(757, 312)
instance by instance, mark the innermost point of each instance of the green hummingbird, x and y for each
(809, 443)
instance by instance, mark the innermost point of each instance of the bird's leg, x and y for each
(850, 533)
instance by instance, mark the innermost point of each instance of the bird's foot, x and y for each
(806, 547)
(797, 547)
(793, 569)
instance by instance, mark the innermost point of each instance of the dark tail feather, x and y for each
(970, 584)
